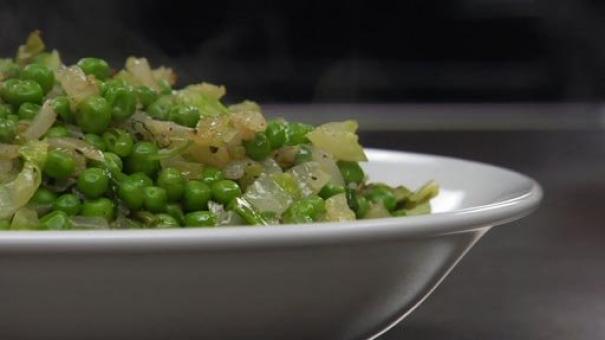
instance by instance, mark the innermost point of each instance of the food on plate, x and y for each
(87, 146)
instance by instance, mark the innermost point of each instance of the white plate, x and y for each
(321, 281)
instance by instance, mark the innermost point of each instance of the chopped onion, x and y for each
(215, 156)
(310, 177)
(7, 170)
(25, 219)
(265, 194)
(327, 163)
(9, 151)
(248, 123)
(77, 85)
(164, 73)
(81, 146)
(89, 223)
(191, 170)
(41, 123)
(141, 72)
(338, 210)
(339, 139)
(16, 193)
(157, 130)
(236, 169)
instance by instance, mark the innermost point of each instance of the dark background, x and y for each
(340, 51)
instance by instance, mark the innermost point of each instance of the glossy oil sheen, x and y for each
(325, 281)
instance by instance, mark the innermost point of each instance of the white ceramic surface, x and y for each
(323, 281)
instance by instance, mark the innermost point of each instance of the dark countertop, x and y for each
(542, 277)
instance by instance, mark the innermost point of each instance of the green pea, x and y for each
(59, 164)
(184, 115)
(96, 141)
(141, 179)
(330, 190)
(276, 134)
(123, 101)
(225, 190)
(5, 110)
(40, 74)
(304, 154)
(58, 132)
(165, 87)
(175, 210)
(5, 224)
(296, 133)
(94, 114)
(62, 107)
(93, 182)
(68, 203)
(119, 142)
(173, 181)
(8, 130)
(9, 69)
(196, 196)
(96, 67)
(155, 199)
(200, 219)
(101, 207)
(382, 194)
(306, 210)
(43, 196)
(166, 221)
(351, 171)
(27, 111)
(211, 174)
(56, 220)
(18, 91)
(363, 206)
(258, 148)
(146, 96)
(131, 193)
(13, 118)
(161, 107)
(138, 160)
(359, 204)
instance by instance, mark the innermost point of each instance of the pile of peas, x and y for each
(130, 181)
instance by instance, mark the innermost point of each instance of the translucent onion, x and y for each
(337, 209)
(248, 123)
(80, 146)
(191, 170)
(9, 151)
(327, 163)
(25, 219)
(16, 193)
(339, 139)
(310, 177)
(89, 223)
(141, 72)
(43, 121)
(157, 130)
(266, 195)
(76, 84)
